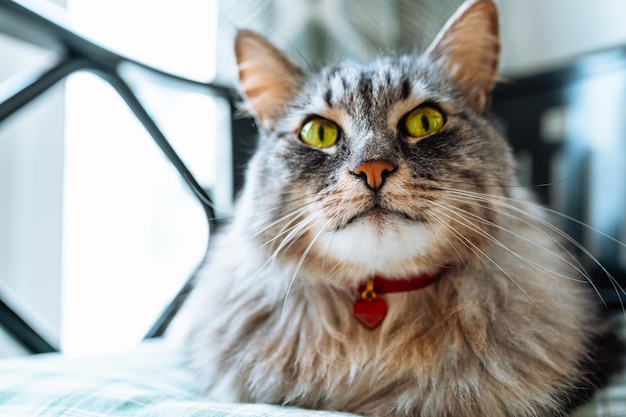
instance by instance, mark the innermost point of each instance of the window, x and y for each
(118, 229)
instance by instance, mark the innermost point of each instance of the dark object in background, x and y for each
(568, 128)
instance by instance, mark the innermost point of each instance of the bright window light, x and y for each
(177, 36)
(132, 232)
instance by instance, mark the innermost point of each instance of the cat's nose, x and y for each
(374, 173)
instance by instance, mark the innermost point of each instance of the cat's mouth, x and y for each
(379, 214)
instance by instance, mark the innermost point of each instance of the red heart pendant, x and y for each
(370, 311)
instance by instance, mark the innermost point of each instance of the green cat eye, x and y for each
(319, 133)
(423, 121)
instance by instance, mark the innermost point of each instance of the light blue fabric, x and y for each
(149, 381)
(152, 381)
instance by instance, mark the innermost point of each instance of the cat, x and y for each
(382, 259)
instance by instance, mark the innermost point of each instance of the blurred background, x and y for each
(97, 232)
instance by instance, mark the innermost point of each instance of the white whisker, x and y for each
(298, 266)
(293, 213)
(254, 213)
(302, 227)
(485, 255)
(543, 222)
(535, 265)
(448, 241)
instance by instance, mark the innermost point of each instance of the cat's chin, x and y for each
(379, 241)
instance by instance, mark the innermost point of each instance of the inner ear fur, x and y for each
(267, 78)
(468, 48)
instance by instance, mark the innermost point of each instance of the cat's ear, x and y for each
(468, 48)
(268, 79)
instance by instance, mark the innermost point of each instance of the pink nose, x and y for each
(374, 172)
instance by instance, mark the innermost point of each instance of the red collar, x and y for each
(370, 310)
(392, 285)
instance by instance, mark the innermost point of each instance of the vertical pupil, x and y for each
(425, 123)
(321, 133)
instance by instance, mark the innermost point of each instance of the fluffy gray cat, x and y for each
(382, 259)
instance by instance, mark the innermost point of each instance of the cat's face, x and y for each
(356, 160)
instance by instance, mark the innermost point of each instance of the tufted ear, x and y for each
(267, 78)
(468, 48)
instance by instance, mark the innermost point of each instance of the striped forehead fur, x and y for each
(380, 80)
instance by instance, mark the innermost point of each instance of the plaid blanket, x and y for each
(153, 381)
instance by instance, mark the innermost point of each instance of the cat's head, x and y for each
(355, 162)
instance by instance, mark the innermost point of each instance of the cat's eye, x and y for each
(319, 133)
(423, 121)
